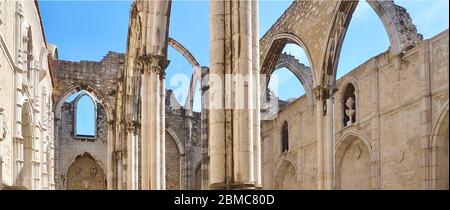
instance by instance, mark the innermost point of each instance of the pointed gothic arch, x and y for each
(440, 151)
(401, 31)
(353, 161)
(286, 175)
(92, 106)
(86, 173)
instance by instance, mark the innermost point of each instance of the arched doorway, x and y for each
(353, 164)
(285, 178)
(85, 174)
(440, 149)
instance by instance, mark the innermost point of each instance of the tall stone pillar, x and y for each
(153, 166)
(119, 164)
(162, 126)
(132, 155)
(189, 177)
(256, 95)
(232, 94)
(110, 176)
(325, 137)
(152, 51)
(329, 172)
(320, 139)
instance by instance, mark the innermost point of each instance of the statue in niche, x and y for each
(350, 112)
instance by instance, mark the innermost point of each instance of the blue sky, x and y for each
(87, 30)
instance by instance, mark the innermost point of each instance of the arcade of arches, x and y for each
(383, 125)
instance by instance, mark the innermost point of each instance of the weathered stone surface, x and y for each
(396, 152)
(395, 137)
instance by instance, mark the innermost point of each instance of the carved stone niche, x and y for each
(349, 106)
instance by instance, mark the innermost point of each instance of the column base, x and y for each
(244, 186)
(217, 186)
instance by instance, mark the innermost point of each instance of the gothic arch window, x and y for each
(285, 137)
(349, 105)
(85, 117)
(29, 53)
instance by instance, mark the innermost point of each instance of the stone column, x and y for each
(119, 163)
(242, 118)
(162, 127)
(110, 158)
(189, 176)
(152, 118)
(132, 155)
(325, 137)
(329, 172)
(232, 101)
(320, 139)
(216, 123)
(256, 96)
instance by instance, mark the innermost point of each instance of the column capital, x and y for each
(323, 92)
(155, 63)
(132, 126)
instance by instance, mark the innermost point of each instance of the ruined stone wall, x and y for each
(178, 163)
(196, 140)
(100, 79)
(70, 146)
(389, 90)
(103, 76)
